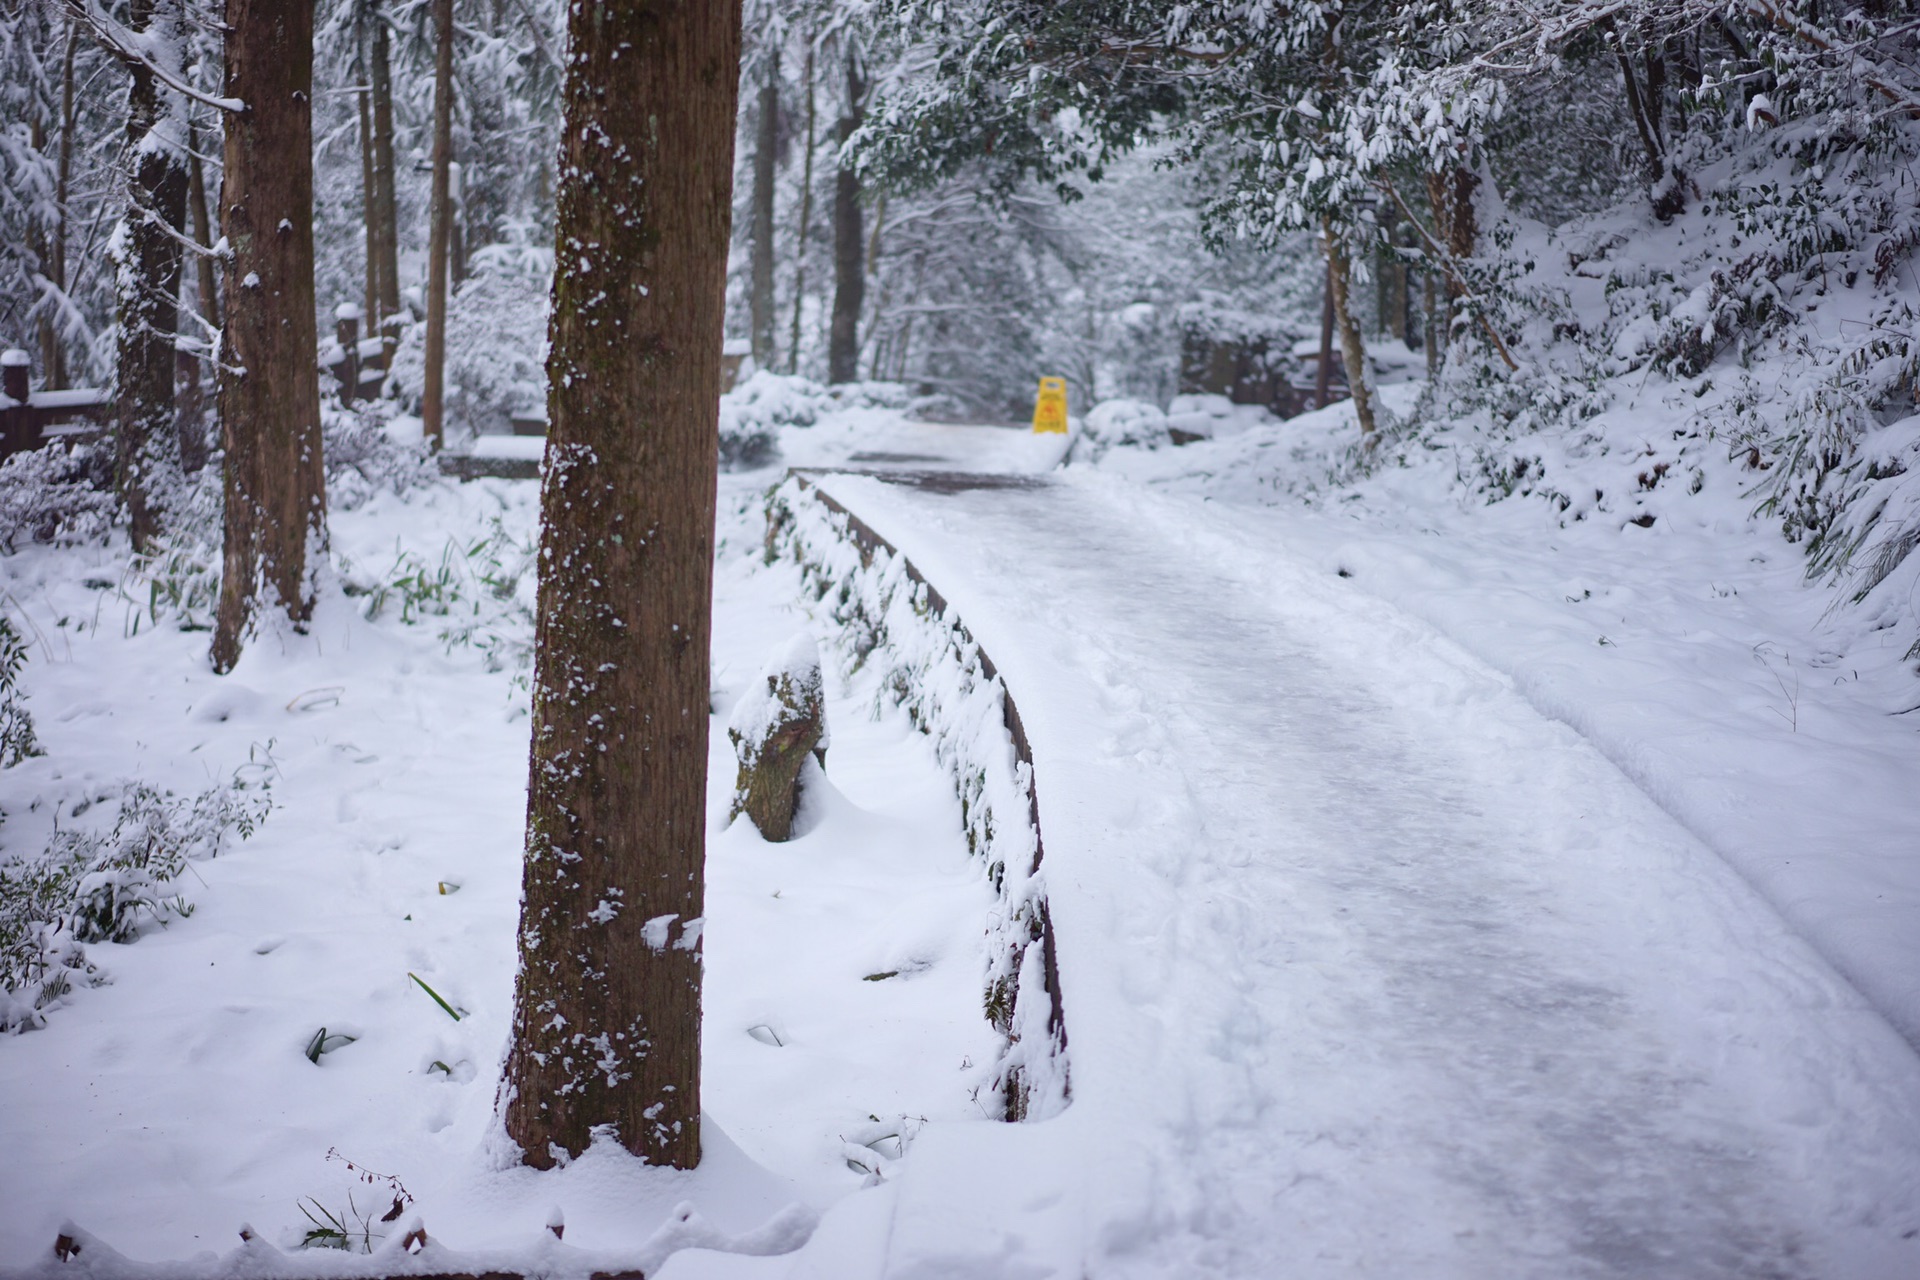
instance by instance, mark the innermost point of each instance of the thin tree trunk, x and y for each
(432, 405)
(1353, 347)
(1323, 371)
(760, 273)
(203, 263)
(385, 201)
(1450, 192)
(849, 274)
(368, 217)
(148, 257)
(806, 224)
(606, 1018)
(52, 350)
(276, 511)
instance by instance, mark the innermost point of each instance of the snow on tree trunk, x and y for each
(760, 284)
(775, 727)
(147, 253)
(849, 272)
(606, 1021)
(276, 511)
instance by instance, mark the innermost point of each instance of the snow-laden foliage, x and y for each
(104, 882)
(478, 592)
(17, 738)
(61, 494)
(363, 459)
(496, 346)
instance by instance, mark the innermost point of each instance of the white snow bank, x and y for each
(931, 666)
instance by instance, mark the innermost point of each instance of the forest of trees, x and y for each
(954, 197)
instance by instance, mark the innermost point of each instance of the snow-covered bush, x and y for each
(93, 885)
(496, 350)
(1120, 424)
(60, 494)
(753, 413)
(17, 740)
(363, 459)
(481, 590)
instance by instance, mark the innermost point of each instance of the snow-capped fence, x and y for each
(398, 1249)
(933, 667)
(25, 418)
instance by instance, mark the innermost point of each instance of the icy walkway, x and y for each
(1369, 969)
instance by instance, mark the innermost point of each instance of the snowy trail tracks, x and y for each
(1370, 969)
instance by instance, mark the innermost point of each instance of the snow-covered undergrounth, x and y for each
(162, 1111)
(893, 625)
(1371, 969)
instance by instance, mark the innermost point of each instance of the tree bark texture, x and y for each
(440, 229)
(760, 266)
(148, 258)
(606, 1021)
(276, 512)
(849, 272)
(385, 211)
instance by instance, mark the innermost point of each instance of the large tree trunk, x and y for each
(432, 395)
(276, 512)
(760, 274)
(806, 223)
(385, 208)
(849, 273)
(148, 254)
(606, 1019)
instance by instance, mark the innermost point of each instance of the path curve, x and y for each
(1373, 970)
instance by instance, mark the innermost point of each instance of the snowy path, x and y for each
(1369, 969)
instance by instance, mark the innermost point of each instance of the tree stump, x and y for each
(774, 728)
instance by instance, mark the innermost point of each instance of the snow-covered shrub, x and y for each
(363, 459)
(496, 350)
(753, 413)
(481, 588)
(17, 740)
(92, 885)
(60, 494)
(1120, 424)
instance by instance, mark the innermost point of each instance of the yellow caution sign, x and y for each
(1050, 408)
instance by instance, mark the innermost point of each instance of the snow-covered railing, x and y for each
(406, 1253)
(929, 664)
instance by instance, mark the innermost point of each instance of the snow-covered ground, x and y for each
(1437, 892)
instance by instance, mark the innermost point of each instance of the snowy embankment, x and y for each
(922, 657)
(1367, 965)
(182, 1096)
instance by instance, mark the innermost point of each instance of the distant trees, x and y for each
(606, 1021)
